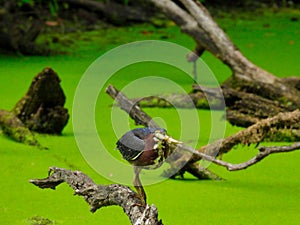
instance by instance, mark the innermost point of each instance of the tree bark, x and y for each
(193, 18)
(98, 196)
(42, 108)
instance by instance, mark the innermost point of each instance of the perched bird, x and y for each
(145, 148)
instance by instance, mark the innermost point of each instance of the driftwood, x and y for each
(252, 135)
(40, 110)
(195, 20)
(98, 196)
(248, 82)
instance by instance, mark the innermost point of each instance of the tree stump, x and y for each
(40, 110)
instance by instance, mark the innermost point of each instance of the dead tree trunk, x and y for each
(193, 18)
(42, 107)
(40, 110)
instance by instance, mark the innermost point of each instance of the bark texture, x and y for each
(42, 107)
(251, 81)
(98, 196)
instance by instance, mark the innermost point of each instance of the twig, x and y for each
(264, 152)
(98, 196)
(253, 134)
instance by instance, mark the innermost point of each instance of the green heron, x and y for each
(145, 148)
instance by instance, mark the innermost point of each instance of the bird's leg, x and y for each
(138, 185)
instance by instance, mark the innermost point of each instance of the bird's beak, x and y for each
(171, 140)
(167, 138)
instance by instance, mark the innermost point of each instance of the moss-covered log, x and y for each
(40, 110)
(197, 99)
(13, 127)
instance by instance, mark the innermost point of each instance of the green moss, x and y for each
(284, 135)
(38, 220)
(202, 104)
(15, 129)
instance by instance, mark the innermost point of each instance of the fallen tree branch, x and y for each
(264, 152)
(253, 134)
(142, 118)
(133, 110)
(195, 20)
(98, 196)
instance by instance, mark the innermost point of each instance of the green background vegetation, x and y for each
(267, 193)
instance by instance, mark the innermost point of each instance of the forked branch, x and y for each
(263, 153)
(253, 134)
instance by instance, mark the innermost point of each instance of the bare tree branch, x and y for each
(98, 196)
(133, 110)
(253, 134)
(264, 152)
(195, 20)
(142, 118)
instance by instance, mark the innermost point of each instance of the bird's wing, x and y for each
(130, 145)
